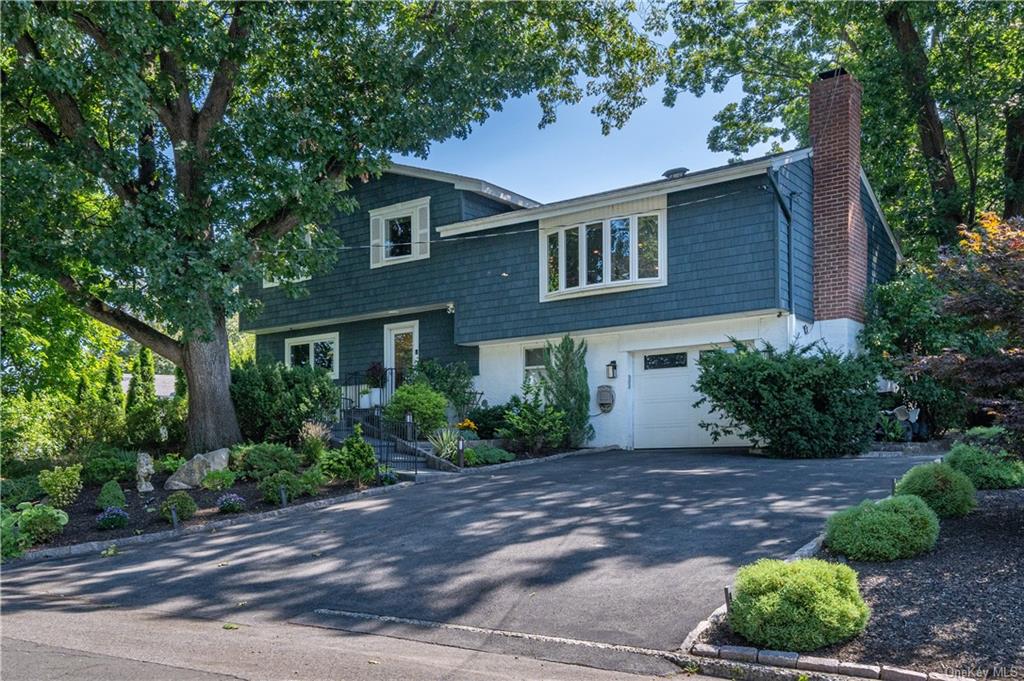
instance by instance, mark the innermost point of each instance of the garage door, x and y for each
(664, 415)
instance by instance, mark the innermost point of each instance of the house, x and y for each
(780, 248)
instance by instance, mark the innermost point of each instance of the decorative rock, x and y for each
(866, 671)
(144, 469)
(777, 658)
(190, 474)
(218, 459)
(738, 653)
(898, 674)
(705, 650)
(829, 665)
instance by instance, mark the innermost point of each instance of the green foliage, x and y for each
(112, 518)
(426, 405)
(273, 401)
(486, 455)
(111, 496)
(104, 462)
(62, 484)
(313, 439)
(14, 491)
(531, 425)
(270, 487)
(898, 527)
(801, 605)
(565, 387)
(217, 481)
(142, 424)
(142, 387)
(40, 522)
(182, 502)
(800, 403)
(986, 469)
(489, 420)
(111, 392)
(169, 463)
(454, 381)
(892, 428)
(54, 427)
(947, 491)
(311, 480)
(354, 462)
(13, 541)
(445, 442)
(263, 460)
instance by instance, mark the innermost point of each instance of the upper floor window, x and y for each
(601, 255)
(320, 351)
(400, 233)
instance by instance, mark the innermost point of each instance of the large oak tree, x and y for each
(158, 156)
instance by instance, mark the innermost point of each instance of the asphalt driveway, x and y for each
(625, 548)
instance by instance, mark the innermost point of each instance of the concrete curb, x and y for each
(477, 470)
(212, 526)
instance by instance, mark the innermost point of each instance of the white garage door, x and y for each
(664, 415)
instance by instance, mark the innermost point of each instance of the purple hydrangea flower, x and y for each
(112, 518)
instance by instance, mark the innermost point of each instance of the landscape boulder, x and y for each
(192, 472)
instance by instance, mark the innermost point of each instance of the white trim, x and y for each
(632, 193)
(606, 285)
(419, 248)
(332, 321)
(878, 209)
(389, 345)
(465, 183)
(309, 340)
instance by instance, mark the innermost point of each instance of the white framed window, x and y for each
(400, 233)
(270, 282)
(601, 256)
(533, 364)
(320, 351)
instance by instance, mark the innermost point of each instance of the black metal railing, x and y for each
(363, 398)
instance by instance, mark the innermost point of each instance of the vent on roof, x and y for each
(673, 173)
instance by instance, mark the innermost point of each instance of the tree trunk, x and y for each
(932, 140)
(1013, 161)
(212, 422)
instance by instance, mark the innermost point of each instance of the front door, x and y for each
(401, 347)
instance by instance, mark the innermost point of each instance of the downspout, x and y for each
(787, 212)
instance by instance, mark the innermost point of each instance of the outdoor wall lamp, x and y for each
(612, 369)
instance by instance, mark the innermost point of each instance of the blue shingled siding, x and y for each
(795, 183)
(362, 342)
(881, 252)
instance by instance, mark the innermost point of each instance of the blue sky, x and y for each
(572, 157)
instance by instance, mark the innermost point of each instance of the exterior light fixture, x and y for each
(611, 369)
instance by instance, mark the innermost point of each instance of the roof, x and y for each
(644, 190)
(164, 384)
(470, 184)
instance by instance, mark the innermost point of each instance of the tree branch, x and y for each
(158, 342)
(223, 83)
(286, 218)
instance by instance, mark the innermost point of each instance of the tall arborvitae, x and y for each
(111, 391)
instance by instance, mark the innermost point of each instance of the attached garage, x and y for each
(663, 411)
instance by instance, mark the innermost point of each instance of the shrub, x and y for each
(62, 484)
(103, 462)
(947, 491)
(216, 481)
(13, 541)
(181, 502)
(273, 401)
(488, 420)
(445, 442)
(311, 480)
(426, 405)
(986, 469)
(231, 503)
(270, 487)
(313, 439)
(802, 605)
(354, 462)
(485, 455)
(801, 403)
(20, 490)
(169, 463)
(259, 461)
(565, 387)
(532, 425)
(41, 522)
(112, 518)
(454, 381)
(142, 424)
(111, 496)
(899, 527)
(386, 475)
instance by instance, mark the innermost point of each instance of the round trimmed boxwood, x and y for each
(802, 605)
(947, 491)
(426, 405)
(181, 502)
(899, 527)
(111, 496)
(987, 469)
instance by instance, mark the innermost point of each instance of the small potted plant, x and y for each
(376, 376)
(364, 397)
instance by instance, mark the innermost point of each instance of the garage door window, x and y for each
(665, 360)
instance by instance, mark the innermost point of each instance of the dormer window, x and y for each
(400, 233)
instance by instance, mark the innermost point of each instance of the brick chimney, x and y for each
(840, 232)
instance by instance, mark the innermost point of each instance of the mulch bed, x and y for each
(956, 610)
(144, 509)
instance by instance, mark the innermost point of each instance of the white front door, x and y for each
(664, 415)
(401, 347)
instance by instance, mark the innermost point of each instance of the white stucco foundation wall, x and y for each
(839, 335)
(502, 364)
